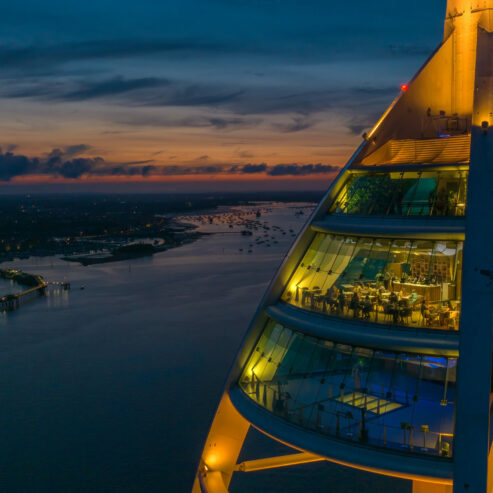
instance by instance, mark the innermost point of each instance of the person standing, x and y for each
(341, 302)
(379, 278)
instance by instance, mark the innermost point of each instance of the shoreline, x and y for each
(182, 234)
(120, 256)
(180, 229)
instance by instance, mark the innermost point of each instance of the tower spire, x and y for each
(444, 85)
(462, 21)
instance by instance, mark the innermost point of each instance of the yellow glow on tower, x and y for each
(445, 84)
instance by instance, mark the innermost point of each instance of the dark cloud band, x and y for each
(67, 163)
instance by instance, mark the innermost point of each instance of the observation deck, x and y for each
(390, 458)
(357, 355)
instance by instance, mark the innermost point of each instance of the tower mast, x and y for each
(473, 466)
(395, 388)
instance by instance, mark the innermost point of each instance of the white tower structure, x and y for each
(373, 345)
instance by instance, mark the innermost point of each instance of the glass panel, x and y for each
(382, 399)
(399, 282)
(423, 193)
(418, 199)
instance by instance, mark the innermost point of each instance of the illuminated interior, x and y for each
(382, 399)
(413, 283)
(416, 193)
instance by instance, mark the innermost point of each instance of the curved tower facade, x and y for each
(373, 345)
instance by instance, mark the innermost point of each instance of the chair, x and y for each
(354, 305)
(445, 449)
(405, 314)
(367, 310)
(304, 294)
(330, 304)
(318, 302)
(430, 319)
(388, 312)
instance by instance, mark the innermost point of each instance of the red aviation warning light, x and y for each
(404, 87)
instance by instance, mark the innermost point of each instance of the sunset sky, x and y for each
(198, 94)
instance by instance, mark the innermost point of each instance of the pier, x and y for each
(34, 287)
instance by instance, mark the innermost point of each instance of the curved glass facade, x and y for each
(412, 283)
(403, 193)
(399, 401)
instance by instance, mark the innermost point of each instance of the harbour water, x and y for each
(8, 286)
(113, 387)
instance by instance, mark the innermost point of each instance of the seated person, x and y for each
(427, 312)
(451, 203)
(404, 309)
(331, 299)
(354, 304)
(379, 298)
(403, 302)
(414, 297)
(357, 287)
(444, 313)
(332, 293)
(393, 297)
(367, 307)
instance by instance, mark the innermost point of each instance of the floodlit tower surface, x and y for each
(373, 345)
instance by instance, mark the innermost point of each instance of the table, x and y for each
(347, 287)
(429, 292)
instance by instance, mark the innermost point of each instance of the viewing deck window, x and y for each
(413, 283)
(427, 193)
(400, 401)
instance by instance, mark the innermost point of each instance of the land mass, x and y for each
(105, 228)
(125, 252)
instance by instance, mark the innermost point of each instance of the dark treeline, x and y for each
(66, 224)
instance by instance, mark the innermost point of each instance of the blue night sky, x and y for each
(199, 93)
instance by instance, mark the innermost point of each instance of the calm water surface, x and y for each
(112, 388)
(7, 286)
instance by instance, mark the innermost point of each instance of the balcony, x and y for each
(366, 333)
(402, 402)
